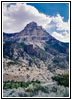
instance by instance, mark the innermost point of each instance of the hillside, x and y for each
(33, 55)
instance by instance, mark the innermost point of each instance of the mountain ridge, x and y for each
(30, 29)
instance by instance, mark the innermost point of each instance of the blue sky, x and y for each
(54, 17)
(53, 8)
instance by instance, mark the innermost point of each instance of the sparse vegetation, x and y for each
(38, 91)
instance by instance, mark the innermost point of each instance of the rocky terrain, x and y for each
(33, 55)
(18, 71)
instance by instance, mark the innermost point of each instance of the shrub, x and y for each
(13, 84)
(62, 79)
(6, 86)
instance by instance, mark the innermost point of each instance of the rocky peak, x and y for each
(32, 33)
(31, 25)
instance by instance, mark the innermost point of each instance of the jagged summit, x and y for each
(31, 25)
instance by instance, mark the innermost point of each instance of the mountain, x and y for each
(34, 48)
(31, 34)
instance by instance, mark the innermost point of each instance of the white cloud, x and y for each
(58, 28)
(60, 24)
(17, 16)
(63, 38)
(21, 14)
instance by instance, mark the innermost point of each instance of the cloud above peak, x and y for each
(15, 18)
